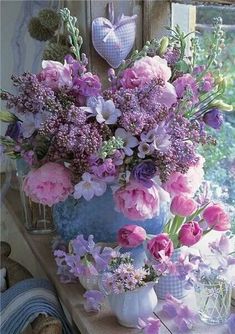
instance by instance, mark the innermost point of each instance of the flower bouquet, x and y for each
(139, 135)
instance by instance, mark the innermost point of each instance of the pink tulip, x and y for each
(160, 243)
(131, 236)
(190, 233)
(217, 218)
(183, 206)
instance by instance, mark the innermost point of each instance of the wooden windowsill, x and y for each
(71, 295)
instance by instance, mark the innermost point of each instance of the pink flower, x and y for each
(87, 85)
(130, 79)
(190, 233)
(148, 68)
(217, 218)
(168, 96)
(183, 206)
(186, 83)
(131, 236)
(55, 74)
(160, 243)
(187, 183)
(137, 202)
(48, 184)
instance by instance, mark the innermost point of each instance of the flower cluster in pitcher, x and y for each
(140, 134)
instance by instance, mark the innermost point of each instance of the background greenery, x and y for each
(220, 159)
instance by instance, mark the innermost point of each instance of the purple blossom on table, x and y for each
(93, 300)
(231, 323)
(89, 187)
(183, 267)
(185, 319)
(171, 306)
(150, 325)
(183, 316)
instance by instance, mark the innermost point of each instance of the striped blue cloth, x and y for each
(23, 302)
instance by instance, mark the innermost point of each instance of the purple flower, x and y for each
(94, 299)
(171, 306)
(231, 323)
(87, 85)
(213, 118)
(14, 130)
(186, 85)
(150, 325)
(144, 172)
(185, 318)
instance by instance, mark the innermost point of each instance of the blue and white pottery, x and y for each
(98, 217)
(171, 284)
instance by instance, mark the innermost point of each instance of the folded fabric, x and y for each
(24, 301)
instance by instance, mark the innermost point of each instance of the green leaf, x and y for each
(182, 66)
(196, 213)
(8, 117)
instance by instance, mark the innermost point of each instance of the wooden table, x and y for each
(71, 294)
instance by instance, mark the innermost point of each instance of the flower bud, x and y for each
(8, 117)
(163, 45)
(221, 105)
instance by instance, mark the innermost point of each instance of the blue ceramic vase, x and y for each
(98, 217)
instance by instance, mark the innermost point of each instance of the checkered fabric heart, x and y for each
(113, 42)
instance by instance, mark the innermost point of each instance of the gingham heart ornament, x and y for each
(114, 41)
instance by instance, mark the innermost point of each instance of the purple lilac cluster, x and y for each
(33, 96)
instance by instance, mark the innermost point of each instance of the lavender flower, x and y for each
(89, 187)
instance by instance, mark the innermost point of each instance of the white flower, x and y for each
(129, 140)
(158, 138)
(33, 122)
(107, 113)
(104, 111)
(88, 187)
(144, 149)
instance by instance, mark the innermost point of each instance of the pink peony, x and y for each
(190, 233)
(48, 184)
(137, 202)
(131, 236)
(168, 96)
(55, 75)
(160, 243)
(149, 68)
(183, 206)
(187, 183)
(130, 79)
(186, 83)
(217, 218)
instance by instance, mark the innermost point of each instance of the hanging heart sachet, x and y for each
(114, 40)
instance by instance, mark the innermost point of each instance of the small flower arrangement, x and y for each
(141, 133)
(122, 276)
